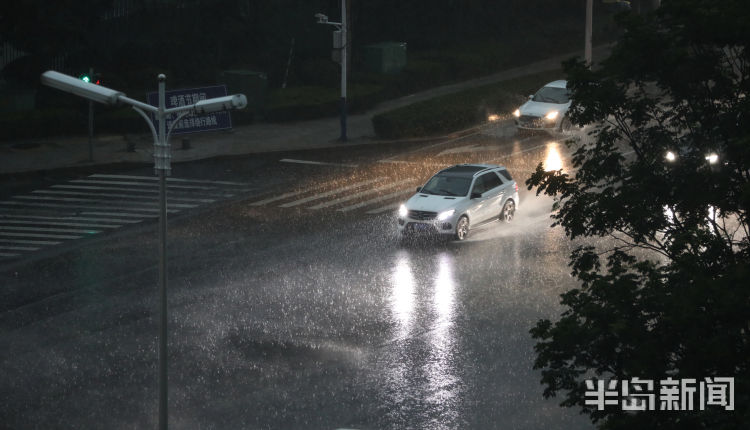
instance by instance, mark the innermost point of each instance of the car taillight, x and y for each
(516, 184)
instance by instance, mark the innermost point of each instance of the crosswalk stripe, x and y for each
(141, 184)
(40, 236)
(170, 192)
(279, 197)
(317, 163)
(116, 195)
(8, 254)
(375, 200)
(122, 214)
(357, 195)
(329, 193)
(30, 242)
(385, 208)
(22, 219)
(19, 248)
(77, 206)
(81, 199)
(57, 223)
(154, 178)
(51, 230)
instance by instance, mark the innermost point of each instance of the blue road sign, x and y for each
(193, 123)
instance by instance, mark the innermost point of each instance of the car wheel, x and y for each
(462, 228)
(565, 125)
(509, 210)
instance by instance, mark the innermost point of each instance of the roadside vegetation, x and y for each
(671, 299)
(445, 43)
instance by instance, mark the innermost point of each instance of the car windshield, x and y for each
(552, 95)
(447, 185)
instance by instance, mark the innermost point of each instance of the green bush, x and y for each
(458, 111)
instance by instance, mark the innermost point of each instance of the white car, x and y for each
(459, 198)
(546, 110)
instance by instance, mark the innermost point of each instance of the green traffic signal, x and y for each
(90, 79)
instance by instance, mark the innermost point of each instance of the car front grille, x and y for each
(422, 215)
(533, 122)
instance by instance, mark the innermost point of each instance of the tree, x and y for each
(672, 297)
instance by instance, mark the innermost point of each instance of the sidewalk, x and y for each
(56, 153)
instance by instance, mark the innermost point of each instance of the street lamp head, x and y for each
(80, 88)
(236, 101)
(322, 19)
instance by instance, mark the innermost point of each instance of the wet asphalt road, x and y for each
(292, 304)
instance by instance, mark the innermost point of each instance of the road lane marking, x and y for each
(62, 224)
(50, 230)
(141, 184)
(356, 195)
(125, 214)
(81, 199)
(375, 200)
(329, 193)
(116, 195)
(30, 242)
(385, 208)
(154, 178)
(40, 236)
(77, 206)
(23, 218)
(279, 197)
(421, 163)
(384, 160)
(139, 190)
(8, 254)
(318, 163)
(19, 248)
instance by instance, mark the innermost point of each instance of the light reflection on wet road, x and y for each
(273, 325)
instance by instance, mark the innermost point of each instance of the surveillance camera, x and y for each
(237, 101)
(322, 19)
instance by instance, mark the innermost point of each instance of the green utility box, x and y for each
(253, 84)
(386, 57)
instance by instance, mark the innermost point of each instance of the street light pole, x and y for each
(343, 70)
(589, 19)
(162, 168)
(341, 26)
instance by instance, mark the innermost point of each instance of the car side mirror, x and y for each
(419, 189)
(475, 195)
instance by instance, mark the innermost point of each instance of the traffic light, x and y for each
(91, 78)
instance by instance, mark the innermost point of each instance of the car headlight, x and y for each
(712, 158)
(442, 216)
(670, 156)
(402, 211)
(516, 113)
(552, 115)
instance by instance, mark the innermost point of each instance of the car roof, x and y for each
(469, 170)
(558, 84)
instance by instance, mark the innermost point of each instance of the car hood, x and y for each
(432, 203)
(541, 109)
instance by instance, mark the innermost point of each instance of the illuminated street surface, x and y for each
(294, 304)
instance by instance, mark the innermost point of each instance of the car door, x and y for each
(493, 195)
(484, 206)
(477, 209)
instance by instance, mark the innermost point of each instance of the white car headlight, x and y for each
(442, 216)
(552, 115)
(402, 211)
(712, 158)
(516, 113)
(670, 156)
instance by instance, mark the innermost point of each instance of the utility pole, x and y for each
(589, 30)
